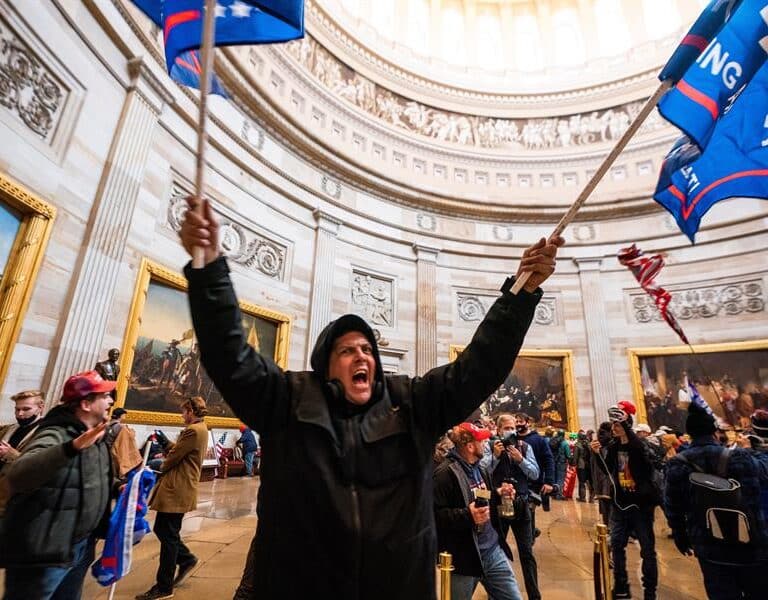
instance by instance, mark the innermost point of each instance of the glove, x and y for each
(683, 545)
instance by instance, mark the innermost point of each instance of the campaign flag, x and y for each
(696, 399)
(187, 66)
(719, 73)
(683, 153)
(645, 269)
(237, 22)
(712, 18)
(127, 527)
(734, 163)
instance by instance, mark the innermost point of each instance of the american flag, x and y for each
(645, 268)
(218, 448)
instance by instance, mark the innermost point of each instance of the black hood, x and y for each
(334, 330)
(61, 416)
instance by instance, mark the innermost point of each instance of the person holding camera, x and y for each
(636, 497)
(517, 463)
(466, 505)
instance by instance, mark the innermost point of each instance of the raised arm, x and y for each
(252, 384)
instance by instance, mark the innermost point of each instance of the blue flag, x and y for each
(724, 67)
(127, 527)
(734, 163)
(698, 37)
(237, 22)
(187, 69)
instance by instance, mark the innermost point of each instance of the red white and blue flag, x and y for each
(127, 527)
(645, 269)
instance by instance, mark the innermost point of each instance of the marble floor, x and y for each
(220, 531)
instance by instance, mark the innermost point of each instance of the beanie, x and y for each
(699, 421)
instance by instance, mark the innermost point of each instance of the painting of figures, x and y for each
(165, 363)
(539, 385)
(731, 378)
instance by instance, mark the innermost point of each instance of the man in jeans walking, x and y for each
(467, 519)
(636, 497)
(176, 494)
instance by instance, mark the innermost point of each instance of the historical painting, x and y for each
(731, 378)
(10, 223)
(162, 356)
(540, 385)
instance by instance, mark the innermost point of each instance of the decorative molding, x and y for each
(703, 301)
(253, 135)
(240, 243)
(571, 130)
(584, 233)
(472, 307)
(372, 297)
(503, 233)
(331, 187)
(426, 221)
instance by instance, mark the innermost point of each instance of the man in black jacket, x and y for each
(636, 497)
(360, 443)
(60, 490)
(468, 528)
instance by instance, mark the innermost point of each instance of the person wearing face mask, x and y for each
(601, 484)
(29, 409)
(60, 490)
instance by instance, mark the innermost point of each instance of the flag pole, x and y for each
(207, 49)
(568, 217)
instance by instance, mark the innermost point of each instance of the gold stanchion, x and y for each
(602, 567)
(446, 566)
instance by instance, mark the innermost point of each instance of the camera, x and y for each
(508, 441)
(543, 499)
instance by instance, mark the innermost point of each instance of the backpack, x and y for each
(717, 503)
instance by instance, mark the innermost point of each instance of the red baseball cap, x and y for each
(81, 385)
(627, 406)
(479, 433)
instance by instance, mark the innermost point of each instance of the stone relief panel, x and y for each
(472, 307)
(241, 244)
(426, 221)
(468, 130)
(331, 187)
(372, 297)
(703, 302)
(29, 89)
(252, 134)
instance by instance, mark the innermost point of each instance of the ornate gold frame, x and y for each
(152, 271)
(636, 353)
(24, 262)
(570, 387)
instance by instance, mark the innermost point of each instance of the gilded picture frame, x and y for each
(27, 251)
(561, 382)
(658, 372)
(138, 350)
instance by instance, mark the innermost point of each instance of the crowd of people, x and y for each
(351, 478)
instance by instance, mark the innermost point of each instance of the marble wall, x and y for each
(305, 241)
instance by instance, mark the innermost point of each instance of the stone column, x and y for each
(598, 336)
(426, 304)
(320, 313)
(110, 220)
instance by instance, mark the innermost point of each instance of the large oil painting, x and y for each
(732, 378)
(540, 385)
(162, 354)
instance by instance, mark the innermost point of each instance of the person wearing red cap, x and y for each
(357, 440)
(60, 491)
(470, 528)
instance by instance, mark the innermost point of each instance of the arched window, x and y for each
(418, 25)
(662, 18)
(567, 43)
(454, 33)
(490, 47)
(527, 43)
(612, 31)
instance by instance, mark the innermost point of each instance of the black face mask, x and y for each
(521, 428)
(27, 421)
(604, 438)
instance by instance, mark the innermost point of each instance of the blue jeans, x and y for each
(639, 522)
(498, 579)
(248, 458)
(51, 583)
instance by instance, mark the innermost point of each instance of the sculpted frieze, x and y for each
(472, 307)
(372, 297)
(703, 302)
(463, 129)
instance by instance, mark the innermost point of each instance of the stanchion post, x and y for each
(446, 566)
(605, 571)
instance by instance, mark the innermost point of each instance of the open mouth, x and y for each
(360, 377)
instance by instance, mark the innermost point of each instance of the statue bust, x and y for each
(109, 369)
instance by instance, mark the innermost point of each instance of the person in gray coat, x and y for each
(60, 489)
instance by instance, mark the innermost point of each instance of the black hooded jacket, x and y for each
(59, 495)
(346, 491)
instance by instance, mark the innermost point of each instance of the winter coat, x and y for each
(456, 531)
(646, 492)
(248, 441)
(601, 482)
(176, 490)
(704, 452)
(348, 487)
(544, 458)
(58, 495)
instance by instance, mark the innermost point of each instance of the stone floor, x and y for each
(220, 531)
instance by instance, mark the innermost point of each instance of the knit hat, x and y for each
(699, 422)
(760, 424)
